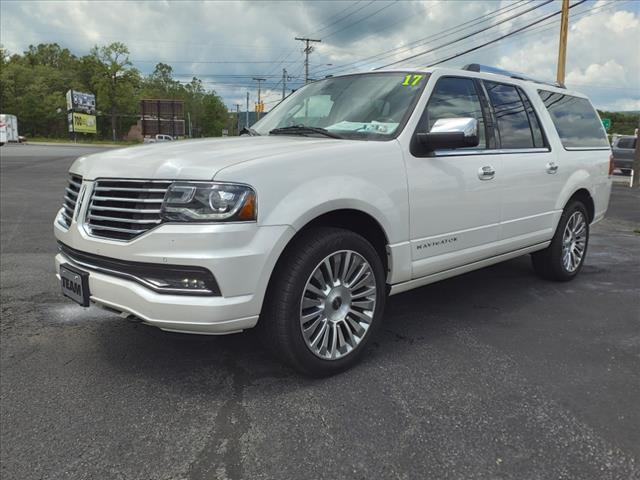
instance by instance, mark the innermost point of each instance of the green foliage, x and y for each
(115, 81)
(622, 123)
(33, 87)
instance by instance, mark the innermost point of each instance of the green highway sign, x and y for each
(606, 122)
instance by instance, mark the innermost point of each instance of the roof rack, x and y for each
(476, 67)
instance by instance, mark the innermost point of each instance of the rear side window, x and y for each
(539, 140)
(518, 125)
(576, 121)
(627, 142)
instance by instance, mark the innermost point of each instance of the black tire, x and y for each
(548, 263)
(280, 324)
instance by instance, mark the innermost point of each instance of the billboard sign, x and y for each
(81, 102)
(162, 116)
(81, 123)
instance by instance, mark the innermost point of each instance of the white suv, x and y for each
(351, 189)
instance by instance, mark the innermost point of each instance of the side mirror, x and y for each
(448, 133)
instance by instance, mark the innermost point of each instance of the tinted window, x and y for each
(511, 116)
(576, 121)
(536, 130)
(454, 98)
(627, 142)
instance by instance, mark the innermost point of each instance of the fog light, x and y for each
(190, 283)
(195, 283)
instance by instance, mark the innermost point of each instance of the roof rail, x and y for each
(476, 67)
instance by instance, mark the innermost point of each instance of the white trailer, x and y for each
(8, 129)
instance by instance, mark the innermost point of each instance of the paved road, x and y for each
(495, 374)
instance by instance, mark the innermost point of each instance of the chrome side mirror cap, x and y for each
(449, 133)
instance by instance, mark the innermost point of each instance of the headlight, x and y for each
(207, 202)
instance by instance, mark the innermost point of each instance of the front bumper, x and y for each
(240, 256)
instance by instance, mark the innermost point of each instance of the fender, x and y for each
(334, 193)
(580, 179)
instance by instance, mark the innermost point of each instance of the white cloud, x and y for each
(602, 55)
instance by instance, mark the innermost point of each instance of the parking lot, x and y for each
(494, 374)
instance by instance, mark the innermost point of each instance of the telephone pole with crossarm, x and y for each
(307, 50)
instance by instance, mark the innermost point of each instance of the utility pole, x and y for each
(562, 49)
(238, 119)
(635, 166)
(307, 50)
(284, 82)
(246, 123)
(259, 104)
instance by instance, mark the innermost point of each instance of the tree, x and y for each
(115, 81)
(214, 116)
(160, 84)
(33, 87)
(194, 105)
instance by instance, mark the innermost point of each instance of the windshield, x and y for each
(364, 106)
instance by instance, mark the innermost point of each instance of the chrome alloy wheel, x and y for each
(574, 242)
(338, 304)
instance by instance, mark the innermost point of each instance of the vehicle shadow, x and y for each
(414, 318)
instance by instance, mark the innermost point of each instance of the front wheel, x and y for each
(324, 302)
(563, 259)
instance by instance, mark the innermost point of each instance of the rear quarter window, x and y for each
(627, 143)
(575, 119)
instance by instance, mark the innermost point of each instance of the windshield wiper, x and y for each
(249, 131)
(302, 130)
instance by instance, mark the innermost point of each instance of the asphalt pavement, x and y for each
(492, 375)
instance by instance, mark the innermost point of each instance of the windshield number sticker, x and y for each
(412, 80)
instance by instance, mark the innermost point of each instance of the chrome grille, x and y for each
(70, 199)
(124, 209)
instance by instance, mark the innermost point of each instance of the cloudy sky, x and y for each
(227, 43)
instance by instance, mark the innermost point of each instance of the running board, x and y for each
(436, 277)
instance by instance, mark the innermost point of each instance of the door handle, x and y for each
(486, 173)
(552, 167)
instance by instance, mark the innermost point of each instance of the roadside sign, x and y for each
(81, 102)
(606, 122)
(81, 123)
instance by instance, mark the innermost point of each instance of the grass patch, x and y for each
(82, 140)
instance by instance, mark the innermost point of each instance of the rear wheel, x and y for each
(563, 259)
(325, 301)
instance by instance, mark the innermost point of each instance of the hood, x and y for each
(192, 159)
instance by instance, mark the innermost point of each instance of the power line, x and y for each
(212, 61)
(469, 35)
(333, 16)
(495, 40)
(441, 34)
(596, 10)
(550, 25)
(345, 17)
(330, 22)
(360, 20)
